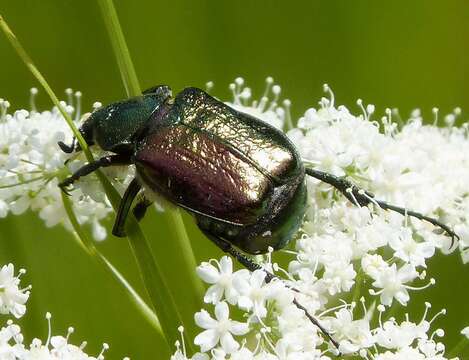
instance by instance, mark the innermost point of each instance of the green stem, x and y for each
(358, 283)
(186, 262)
(459, 348)
(158, 291)
(87, 245)
(126, 67)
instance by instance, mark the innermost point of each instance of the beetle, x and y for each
(242, 179)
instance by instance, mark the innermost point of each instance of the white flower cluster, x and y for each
(12, 347)
(346, 254)
(31, 165)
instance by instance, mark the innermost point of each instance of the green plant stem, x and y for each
(126, 66)
(186, 262)
(87, 245)
(158, 291)
(458, 350)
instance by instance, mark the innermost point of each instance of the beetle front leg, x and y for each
(124, 207)
(110, 160)
(361, 197)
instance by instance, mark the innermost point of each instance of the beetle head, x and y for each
(113, 127)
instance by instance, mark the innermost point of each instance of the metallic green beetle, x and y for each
(242, 179)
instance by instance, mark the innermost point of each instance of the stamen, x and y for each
(360, 104)
(48, 317)
(437, 333)
(430, 283)
(69, 93)
(381, 310)
(435, 115)
(70, 331)
(350, 191)
(239, 81)
(181, 331)
(363, 192)
(328, 90)
(427, 307)
(288, 120)
(338, 307)
(4, 105)
(97, 105)
(266, 338)
(32, 98)
(437, 315)
(232, 87)
(209, 86)
(370, 109)
(388, 113)
(78, 105)
(105, 347)
(276, 90)
(268, 83)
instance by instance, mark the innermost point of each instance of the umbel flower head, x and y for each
(31, 166)
(348, 264)
(420, 167)
(12, 344)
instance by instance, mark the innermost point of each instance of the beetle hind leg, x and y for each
(124, 207)
(226, 247)
(361, 197)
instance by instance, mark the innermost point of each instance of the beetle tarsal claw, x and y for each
(64, 186)
(66, 148)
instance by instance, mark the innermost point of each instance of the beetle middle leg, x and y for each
(140, 208)
(225, 246)
(124, 207)
(105, 161)
(361, 197)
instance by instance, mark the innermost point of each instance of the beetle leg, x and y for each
(252, 266)
(110, 160)
(124, 207)
(141, 207)
(67, 148)
(363, 198)
(225, 246)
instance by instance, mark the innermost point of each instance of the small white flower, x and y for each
(221, 280)
(219, 330)
(253, 293)
(12, 298)
(392, 283)
(411, 251)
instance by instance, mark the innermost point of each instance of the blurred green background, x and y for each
(402, 54)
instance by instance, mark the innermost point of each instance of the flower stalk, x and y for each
(87, 245)
(185, 259)
(159, 293)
